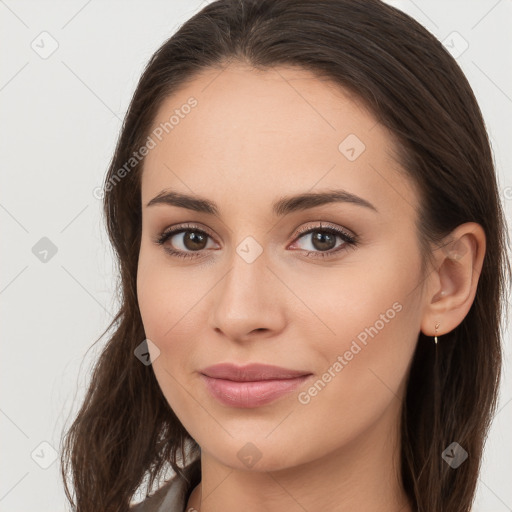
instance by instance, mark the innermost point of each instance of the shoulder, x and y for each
(173, 495)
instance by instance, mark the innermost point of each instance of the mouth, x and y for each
(251, 372)
(252, 385)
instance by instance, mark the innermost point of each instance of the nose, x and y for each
(249, 301)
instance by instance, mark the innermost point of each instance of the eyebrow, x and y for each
(281, 207)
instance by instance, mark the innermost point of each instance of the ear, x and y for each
(451, 285)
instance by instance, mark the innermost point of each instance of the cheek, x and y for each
(364, 367)
(166, 305)
(366, 325)
(359, 300)
(165, 294)
(173, 305)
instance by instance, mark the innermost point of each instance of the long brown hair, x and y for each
(125, 431)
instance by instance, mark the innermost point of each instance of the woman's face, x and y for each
(345, 311)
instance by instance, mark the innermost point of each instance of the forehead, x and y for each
(254, 132)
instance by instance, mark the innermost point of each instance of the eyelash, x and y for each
(350, 240)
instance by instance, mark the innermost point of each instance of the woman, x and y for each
(311, 247)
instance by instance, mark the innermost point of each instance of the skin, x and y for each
(254, 137)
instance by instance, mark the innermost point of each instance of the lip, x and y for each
(252, 385)
(251, 372)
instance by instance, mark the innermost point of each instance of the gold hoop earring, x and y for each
(435, 335)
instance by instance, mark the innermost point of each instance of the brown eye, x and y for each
(185, 241)
(321, 241)
(194, 240)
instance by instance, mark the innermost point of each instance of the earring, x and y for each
(435, 336)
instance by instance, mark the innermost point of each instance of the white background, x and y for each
(60, 120)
